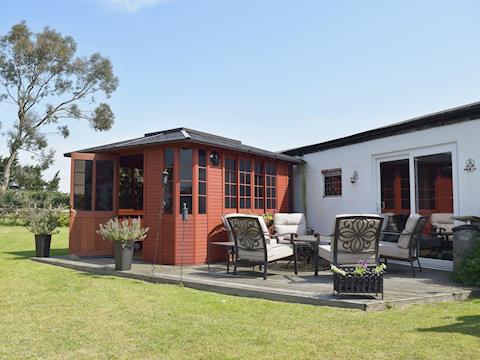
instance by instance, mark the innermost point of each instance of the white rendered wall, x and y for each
(462, 139)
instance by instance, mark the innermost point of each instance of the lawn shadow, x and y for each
(25, 255)
(468, 325)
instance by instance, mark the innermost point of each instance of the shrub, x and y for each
(469, 273)
(42, 221)
(126, 231)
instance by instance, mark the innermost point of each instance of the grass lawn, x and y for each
(51, 312)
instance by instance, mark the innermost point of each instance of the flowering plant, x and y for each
(268, 217)
(359, 270)
(125, 231)
(336, 270)
(42, 221)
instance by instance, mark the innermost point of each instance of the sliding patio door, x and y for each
(434, 195)
(420, 181)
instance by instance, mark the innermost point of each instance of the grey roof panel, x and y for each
(187, 135)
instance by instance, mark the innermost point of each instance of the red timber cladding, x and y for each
(83, 237)
(283, 188)
(160, 240)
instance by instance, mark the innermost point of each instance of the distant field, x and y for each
(55, 313)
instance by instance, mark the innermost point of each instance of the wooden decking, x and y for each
(401, 288)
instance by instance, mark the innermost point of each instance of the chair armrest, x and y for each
(321, 234)
(394, 233)
(285, 234)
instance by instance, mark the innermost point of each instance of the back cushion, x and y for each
(404, 238)
(443, 220)
(293, 223)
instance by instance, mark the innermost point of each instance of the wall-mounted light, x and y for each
(354, 178)
(165, 177)
(470, 165)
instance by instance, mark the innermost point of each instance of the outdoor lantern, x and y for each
(165, 177)
(354, 178)
(470, 165)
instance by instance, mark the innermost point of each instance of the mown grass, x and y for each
(55, 313)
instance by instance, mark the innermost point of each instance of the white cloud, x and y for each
(134, 5)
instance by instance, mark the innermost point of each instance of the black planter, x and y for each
(42, 245)
(123, 256)
(369, 283)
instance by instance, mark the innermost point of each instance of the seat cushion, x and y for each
(274, 252)
(406, 235)
(325, 252)
(391, 249)
(290, 223)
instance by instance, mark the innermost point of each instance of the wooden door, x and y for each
(93, 200)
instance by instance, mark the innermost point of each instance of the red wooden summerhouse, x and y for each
(212, 175)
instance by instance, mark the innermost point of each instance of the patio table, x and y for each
(310, 243)
(230, 248)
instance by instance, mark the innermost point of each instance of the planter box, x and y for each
(369, 283)
(123, 256)
(42, 245)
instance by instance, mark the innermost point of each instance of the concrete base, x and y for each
(401, 288)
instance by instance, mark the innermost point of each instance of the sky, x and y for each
(275, 74)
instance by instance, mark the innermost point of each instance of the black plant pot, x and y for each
(42, 245)
(123, 256)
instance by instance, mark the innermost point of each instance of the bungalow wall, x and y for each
(460, 139)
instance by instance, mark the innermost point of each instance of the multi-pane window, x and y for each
(332, 182)
(230, 183)
(168, 159)
(131, 182)
(245, 185)
(104, 185)
(186, 172)
(259, 184)
(202, 181)
(271, 185)
(82, 185)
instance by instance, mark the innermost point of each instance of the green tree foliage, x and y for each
(43, 78)
(28, 177)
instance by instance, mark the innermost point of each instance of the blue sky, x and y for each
(273, 73)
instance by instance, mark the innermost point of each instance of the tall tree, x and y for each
(43, 78)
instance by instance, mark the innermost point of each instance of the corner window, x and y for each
(82, 185)
(259, 183)
(168, 196)
(245, 175)
(332, 180)
(230, 183)
(186, 173)
(104, 185)
(202, 181)
(271, 188)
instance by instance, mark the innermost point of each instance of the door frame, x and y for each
(410, 155)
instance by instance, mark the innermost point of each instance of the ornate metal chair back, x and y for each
(247, 233)
(357, 236)
(416, 235)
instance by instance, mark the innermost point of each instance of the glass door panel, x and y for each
(434, 195)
